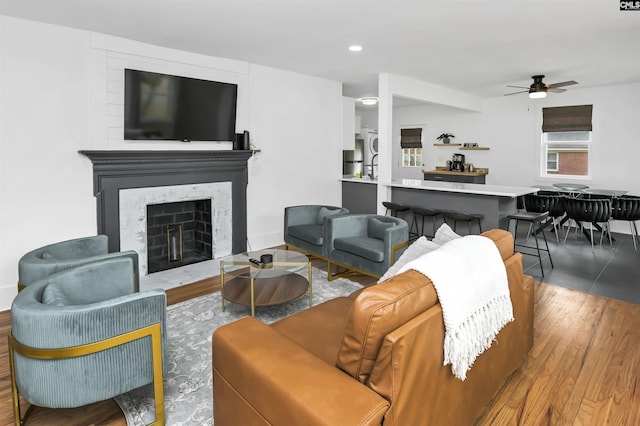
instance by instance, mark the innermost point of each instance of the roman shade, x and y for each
(567, 119)
(411, 138)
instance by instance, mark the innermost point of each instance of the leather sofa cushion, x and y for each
(369, 248)
(311, 233)
(319, 329)
(377, 311)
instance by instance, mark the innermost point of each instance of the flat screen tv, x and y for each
(169, 107)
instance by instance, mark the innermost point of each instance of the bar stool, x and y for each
(463, 217)
(394, 208)
(423, 213)
(536, 221)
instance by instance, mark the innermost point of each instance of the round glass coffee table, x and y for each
(268, 284)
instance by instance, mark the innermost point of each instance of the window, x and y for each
(566, 141)
(566, 153)
(412, 157)
(552, 161)
(411, 144)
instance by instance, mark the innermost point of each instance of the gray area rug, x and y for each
(188, 394)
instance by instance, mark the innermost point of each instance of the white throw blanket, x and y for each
(471, 281)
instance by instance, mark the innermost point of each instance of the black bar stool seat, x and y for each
(463, 217)
(394, 208)
(422, 213)
(536, 221)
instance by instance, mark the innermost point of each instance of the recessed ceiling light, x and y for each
(355, 48)
(369, 101)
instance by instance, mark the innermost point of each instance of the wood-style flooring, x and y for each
(584, 367)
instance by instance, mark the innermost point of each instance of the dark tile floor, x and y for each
(604, 271)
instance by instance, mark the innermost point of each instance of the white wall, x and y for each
(296, 123)
(511, 125)
(57, 97)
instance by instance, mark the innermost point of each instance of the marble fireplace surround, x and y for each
(133, 215)
(116, 172)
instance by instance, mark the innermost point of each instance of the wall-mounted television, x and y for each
(169, 107)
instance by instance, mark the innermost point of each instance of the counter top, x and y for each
(468, 188)
(358, 180)
(445, 171)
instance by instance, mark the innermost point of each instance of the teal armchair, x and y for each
(364, 243)
(83, 335)
(63, 255)
(304, 227)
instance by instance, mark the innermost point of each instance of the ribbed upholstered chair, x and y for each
(627, 208)
(591, 211)
(82, 335)
(63, 255)
(304, 226)
(364, 243)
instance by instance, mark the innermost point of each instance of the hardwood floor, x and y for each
(584, 367)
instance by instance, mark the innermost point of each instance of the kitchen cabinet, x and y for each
(360, 197)
(444, 175)
(455, 178)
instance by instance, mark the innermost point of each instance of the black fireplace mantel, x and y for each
(116, 170)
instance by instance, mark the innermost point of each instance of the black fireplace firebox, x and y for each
(178, 234)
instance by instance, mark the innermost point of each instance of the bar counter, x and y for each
(495, 202)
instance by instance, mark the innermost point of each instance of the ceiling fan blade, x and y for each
(554, 90)
(562, 84)
(515, 93)
(518, 87)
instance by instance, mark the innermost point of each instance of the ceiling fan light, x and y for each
(369, 101)
(538, 94)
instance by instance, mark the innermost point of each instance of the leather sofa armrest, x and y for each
(260, 374)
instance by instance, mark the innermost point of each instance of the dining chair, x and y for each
(591, 211)
(627, 208)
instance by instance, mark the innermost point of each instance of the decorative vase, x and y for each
(445, 140)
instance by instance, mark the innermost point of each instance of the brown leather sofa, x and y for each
(373, 358)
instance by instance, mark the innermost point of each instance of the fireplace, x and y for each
(127, 182)
(178, 234)
(137, 227)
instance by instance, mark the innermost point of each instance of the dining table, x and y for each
(579, 190)
(575, 190)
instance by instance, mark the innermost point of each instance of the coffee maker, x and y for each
(457, 163)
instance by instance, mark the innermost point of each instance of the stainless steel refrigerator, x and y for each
(352, 160)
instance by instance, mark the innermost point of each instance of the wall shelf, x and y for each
(447, 144)
(477, 148)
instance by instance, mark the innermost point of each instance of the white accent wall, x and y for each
(59, 93)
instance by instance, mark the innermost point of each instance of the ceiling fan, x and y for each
(539, 90)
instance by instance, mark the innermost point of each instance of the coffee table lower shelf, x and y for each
(267, 291)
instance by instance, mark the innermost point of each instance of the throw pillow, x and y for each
(444, 234)
(376, 228)
(54, 296)
(420, 247)
(325, 212)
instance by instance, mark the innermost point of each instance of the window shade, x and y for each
(567, 119)
(411, 138)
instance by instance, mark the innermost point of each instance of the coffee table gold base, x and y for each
(253, 291)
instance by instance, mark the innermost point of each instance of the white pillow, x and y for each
(444, 234)
(418, 248)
